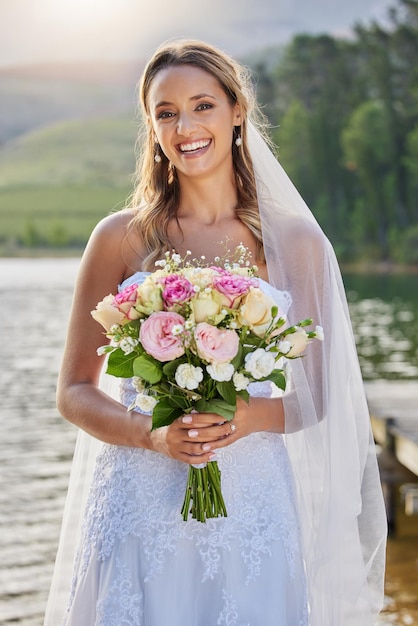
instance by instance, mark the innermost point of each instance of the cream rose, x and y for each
(206, 304)
(298, 342)
(149, 297)
(255, 311)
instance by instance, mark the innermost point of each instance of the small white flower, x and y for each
(284, 346)
(188, 377)
(102, 350)
(189, 324)
(128, 345)
(241, 382)
(222, 372)
(196, 288)
(260, 363)
(224, 312)
(114, 328)
(177, 329)
(233, 325)
(176, 258)
(145, 403)
(138, 384)
(319, 333)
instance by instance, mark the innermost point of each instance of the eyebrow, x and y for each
(198, 96)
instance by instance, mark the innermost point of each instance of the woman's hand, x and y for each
(195, 437)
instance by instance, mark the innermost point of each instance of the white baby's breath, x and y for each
(319, 333)
(177, 329)
(128, 344)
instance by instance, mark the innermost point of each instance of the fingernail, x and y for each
(193, 433)
(187, 419)
(206, 447)
(212, 456)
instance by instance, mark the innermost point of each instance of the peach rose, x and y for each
(215, 345)
(107, 314)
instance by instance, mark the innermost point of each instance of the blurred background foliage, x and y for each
(343, 113)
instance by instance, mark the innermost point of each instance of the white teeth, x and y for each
(196, 145)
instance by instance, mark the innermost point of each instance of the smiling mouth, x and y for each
(195, 146)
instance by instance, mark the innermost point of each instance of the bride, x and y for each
(303, 543)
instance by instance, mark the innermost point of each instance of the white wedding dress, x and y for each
(140, 564)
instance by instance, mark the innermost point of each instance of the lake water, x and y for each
(36, 444)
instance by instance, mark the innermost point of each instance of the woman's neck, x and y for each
(207, 200)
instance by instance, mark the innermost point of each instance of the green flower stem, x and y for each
(203, 492)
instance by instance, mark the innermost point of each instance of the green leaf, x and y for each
(169, 368)
(227, 391)
(178, 400)
(244, 395)
(121, 364)
(238, 358)
(148, 369)
(278, 378)
(218, 406)
(164, 414)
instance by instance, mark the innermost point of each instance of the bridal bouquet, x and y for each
(193, 338)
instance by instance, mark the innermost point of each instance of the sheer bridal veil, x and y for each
(341, 509)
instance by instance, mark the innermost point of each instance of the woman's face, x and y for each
(193, 120)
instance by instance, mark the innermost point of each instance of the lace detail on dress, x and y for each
(133, 496)
(229, 615)
(122, 605)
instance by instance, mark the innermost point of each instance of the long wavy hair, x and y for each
(156, 194)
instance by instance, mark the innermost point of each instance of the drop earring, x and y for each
(238, 138)
(157, 155)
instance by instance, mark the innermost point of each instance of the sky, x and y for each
(39, 31)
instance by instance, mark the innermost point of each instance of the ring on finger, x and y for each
(232, 427)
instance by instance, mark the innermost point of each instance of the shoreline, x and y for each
(360, 267)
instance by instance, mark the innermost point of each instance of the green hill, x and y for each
(92, 151)
(57, 182)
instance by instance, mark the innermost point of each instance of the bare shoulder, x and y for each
(115, 242)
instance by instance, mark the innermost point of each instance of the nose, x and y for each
(185, 124)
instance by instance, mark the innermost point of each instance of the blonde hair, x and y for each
(156, 195)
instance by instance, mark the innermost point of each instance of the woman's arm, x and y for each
(107, 261)
(79, 399)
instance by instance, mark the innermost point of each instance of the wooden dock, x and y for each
(393, 409)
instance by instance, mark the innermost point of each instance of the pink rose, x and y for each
(177, 289)
(233, 287)
(215, 345)
(125, 301)
(157, 338)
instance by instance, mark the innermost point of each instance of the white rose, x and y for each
(260, 363)
(221, 372)
(145, 403)
(241, 382)
(188, 377)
